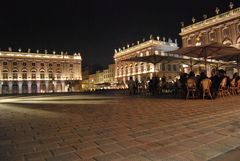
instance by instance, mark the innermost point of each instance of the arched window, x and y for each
(136, 68)
(50, 74)
(126, 70)
(33, 73)
(15, 74)
(131, 69)
(189, 42)
(58, 74)
(212, 36)
(118, 71)
(121, 72)
(148, 67)
(42, 75)
(5, 73)
(142, 67)
(163, 67)
(24, 73)
(226, 32)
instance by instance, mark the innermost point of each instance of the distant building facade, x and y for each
(26, 72)
(100, 80)
(223, 28)
(142, 70)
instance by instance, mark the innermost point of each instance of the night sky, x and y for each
(95, 27)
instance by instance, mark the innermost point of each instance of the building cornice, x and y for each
(219, 19)
(10, 54)
(142, 46)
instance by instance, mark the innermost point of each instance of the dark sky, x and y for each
(95, 27)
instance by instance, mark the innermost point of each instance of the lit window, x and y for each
(33, 75)
(163, 67)
(142, 67)
(169, 67)
(136, 68)
(50, 75)
(174, 67)
(24, 75)
(15, 75)
(226, 32)
(148, 67)
(42, 75)
(5, 75)
(126, 70)
(212, 36)
(58, 76)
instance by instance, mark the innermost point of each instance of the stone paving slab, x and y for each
(102, 128)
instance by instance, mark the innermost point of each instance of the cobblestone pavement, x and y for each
(115, 128)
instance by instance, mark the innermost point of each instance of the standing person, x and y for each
(183, 81)
(136, 86)
(131, 85)
(215, 83)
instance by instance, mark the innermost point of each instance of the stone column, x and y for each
(29, 86)
(1, 83)
(46, 83)
(10, 84)
(63, 86)
(20, 86)
(38, 87)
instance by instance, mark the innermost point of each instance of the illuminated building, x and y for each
(100, 80)
(142, 70)
(223, 28)
(26, 72)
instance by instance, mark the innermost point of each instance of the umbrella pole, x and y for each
(191, 64)
(238, 68)
(206, 65)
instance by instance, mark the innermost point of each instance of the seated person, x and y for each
(206, 87)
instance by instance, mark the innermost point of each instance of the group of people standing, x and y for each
(149, 86)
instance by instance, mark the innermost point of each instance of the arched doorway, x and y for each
(34, 87)
(59, 86)
(15, 88)
(42, 87)
(24, 88)
(51, 87)
(5, 88)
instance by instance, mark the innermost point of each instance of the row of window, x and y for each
(33, 75)
(33, 64)
(163, 68)
(108, 76)
(213, 35)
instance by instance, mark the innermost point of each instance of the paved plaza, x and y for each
(117, 128)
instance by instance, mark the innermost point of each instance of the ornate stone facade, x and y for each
(39, 73)
(223, 28)
(141, 70)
